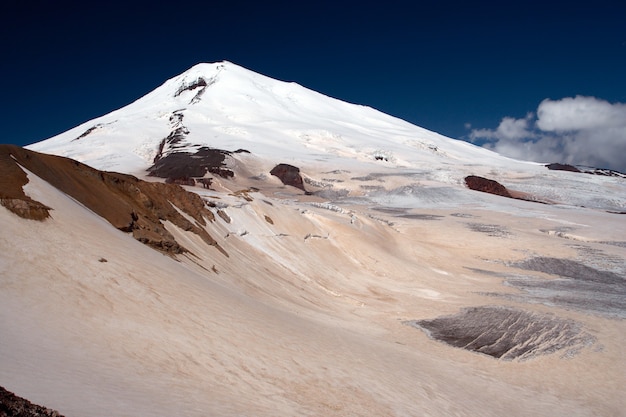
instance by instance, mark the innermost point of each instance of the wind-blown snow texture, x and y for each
(307, 314)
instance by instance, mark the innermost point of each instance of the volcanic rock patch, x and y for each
(197, 83)
(200, 84)
(562, 167)
(289, 175)
(507, 333)
(485, 185)
(13, 406)
(586, 170)
(185, 167)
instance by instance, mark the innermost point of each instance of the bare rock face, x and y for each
(183, 167)
(26, 208)
(13, 406)
(129, 204)
(12, 196)
(289, 175)
(586, 170)
(485, 185)
(562, 167)
(507, 333)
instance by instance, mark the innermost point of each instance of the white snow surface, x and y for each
(282, 122)
(270, 118)
(305, 316)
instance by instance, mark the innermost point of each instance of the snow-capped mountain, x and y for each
(227, 107)
(262, 249)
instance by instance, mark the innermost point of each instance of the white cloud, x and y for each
(579, 131)
(508, 129)
(579, 113)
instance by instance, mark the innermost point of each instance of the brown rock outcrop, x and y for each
(289, 175)
(129, 204)
(12, 196)
(485, 185)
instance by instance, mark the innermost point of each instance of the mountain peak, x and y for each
(223, 105)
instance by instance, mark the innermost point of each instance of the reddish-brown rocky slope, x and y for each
(129, 204)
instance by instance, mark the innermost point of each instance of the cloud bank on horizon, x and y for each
(577, 130)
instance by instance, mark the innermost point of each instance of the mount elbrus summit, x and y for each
(230, 244)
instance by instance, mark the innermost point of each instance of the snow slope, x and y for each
(228, 107)
(305, 317)
(225, 106)
(312, 311)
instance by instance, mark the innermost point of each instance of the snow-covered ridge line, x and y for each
(229, 107)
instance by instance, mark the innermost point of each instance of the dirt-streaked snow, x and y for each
(308, 313)
(305, 317)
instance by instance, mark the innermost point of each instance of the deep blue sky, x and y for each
(437, 64)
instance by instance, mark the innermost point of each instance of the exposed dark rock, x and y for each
(199, 82)
(12, 196)
(177, 135)
(13, 406)
(181, 166)
(88, 131)
(177, 117)
(159, 153)
(603, 172)
(175, 138)
(562, 167)
(507, 333)
(206, 182)
(485, 185)
(586, 170)
(181, 181)
(289, 175)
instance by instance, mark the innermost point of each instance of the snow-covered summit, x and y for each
(223, 105)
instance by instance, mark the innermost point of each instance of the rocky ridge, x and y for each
(13, 406)
(129, 204)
